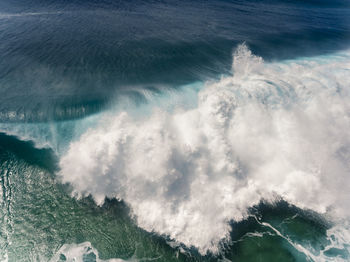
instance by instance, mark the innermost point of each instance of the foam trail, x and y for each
(298, 247)
(271, 130)
(13, 15)
(77, 252)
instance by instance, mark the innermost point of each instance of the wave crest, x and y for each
(272, 130)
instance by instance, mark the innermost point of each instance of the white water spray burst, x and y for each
(272, 129)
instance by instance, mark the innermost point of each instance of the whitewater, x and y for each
(271, 131)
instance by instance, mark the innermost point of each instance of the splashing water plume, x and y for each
(270, 131)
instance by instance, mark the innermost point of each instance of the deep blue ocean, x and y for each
(173, 130)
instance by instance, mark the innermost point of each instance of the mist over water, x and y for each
(174, 130)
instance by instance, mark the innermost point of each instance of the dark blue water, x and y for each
(66, 59)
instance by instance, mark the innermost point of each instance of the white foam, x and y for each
(270, 130)
(26, 14)
(77, 252)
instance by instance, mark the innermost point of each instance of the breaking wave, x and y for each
(270, 131)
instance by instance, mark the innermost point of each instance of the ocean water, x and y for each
(174, 130)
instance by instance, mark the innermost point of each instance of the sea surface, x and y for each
(173, 130)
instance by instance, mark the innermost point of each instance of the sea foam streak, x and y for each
(79, 252)
(9, 15)
(271, 130)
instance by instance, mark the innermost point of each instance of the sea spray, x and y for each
(272, 130)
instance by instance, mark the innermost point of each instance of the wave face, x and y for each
(270, 131)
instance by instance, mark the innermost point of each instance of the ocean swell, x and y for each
(269, 131)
